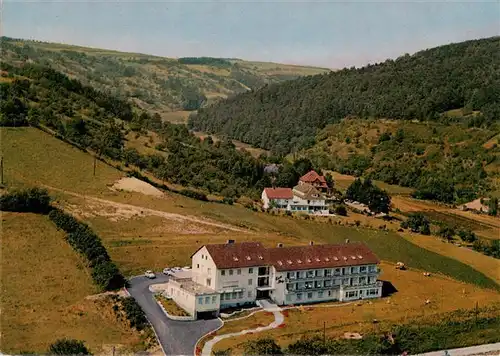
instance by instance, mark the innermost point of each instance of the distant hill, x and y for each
(154, 83)
(287, 116)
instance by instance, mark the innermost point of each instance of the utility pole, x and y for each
(95, 159)
(1, 170)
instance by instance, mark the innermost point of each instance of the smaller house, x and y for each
(314, 179)
(279, 198)
(309, 199)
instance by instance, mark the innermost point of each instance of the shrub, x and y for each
(68, 347)
(135, 315)
(228, 201)
(446, 232)
(467, 236)
(194, 194)
(81, 237)
(417, 222)
(32, 200)
(265, 346)
(340, 210)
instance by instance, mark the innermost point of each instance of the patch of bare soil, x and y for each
(475, 205)
(132, 184)
(120, 293)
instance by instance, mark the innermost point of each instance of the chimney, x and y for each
(346, 241)
(311, 243)
(280, 245)
(230, 242)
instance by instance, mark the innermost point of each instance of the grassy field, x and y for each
(142, 242)
(406, 304)
(44, 288)
(343, 181)
(34, 157)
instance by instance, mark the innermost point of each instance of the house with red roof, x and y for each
(235, 274)
(314, 179)
(279, 198)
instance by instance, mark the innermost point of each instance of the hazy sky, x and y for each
(330, 34)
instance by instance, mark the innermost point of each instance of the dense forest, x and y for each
(287, 116)
(42, 97)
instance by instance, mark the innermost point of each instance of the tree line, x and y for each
(79, 235)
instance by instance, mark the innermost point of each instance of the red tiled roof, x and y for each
(320, 256)
(279, 193)
(311, 177)
(236, 255)
(251, 254)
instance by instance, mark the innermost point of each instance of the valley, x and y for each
(160, 156)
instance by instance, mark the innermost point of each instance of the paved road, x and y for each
(176, 337)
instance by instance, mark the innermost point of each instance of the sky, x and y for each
(327, 33)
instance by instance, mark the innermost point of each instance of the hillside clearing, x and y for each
(133, 184)
(44, 288)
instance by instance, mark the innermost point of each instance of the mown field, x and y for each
(407, 304)
(44, 285)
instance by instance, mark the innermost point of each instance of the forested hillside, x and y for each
(153, 83)
(287, 116)
(449, 163)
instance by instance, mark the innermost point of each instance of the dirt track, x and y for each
(134, 210)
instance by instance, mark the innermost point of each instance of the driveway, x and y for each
(176, 337)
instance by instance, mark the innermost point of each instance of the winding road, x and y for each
(175, 337)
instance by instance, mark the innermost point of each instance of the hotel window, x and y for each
(345, 281)
(351, 294)
(207, 300)
(372, 280)
(309, 295)
(230, 272)
(337, 272)
(320, 294)
(372, 268)
(301, 285)
(209, 282)
(250, 270)
(327, 272)
(329, 293)
(223, 272)
(234, 295)
(249, 294)
(197, 265)
(240, 295)
(250, 282)
(288, 297)
(289, 286)
(373, 292)
(239, 271)
(200, 300)
(317, 273)
(214, 299)
(362, 280)
(310, 274)
(362, 269)
(354, 269)
(290, 275)
(338, 282)
(328, 283)
(309, 285)
(318, 284)
(299, 296)
(209, 270)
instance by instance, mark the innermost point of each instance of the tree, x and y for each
(467, 236)
(308, 346)
(329, 180)
(265, 346)
(417, 222)
(365, 192)
(446, 232)
(68, 347)
(493, 206)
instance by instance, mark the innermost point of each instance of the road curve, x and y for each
(175, 337)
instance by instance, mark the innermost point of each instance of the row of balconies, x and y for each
(318, 285)
(309, 276)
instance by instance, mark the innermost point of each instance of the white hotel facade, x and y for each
(235, 274)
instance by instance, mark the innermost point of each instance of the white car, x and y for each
(150, 274)
(167, 271)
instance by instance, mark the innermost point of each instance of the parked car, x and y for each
(167, 271)
(150, 274)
